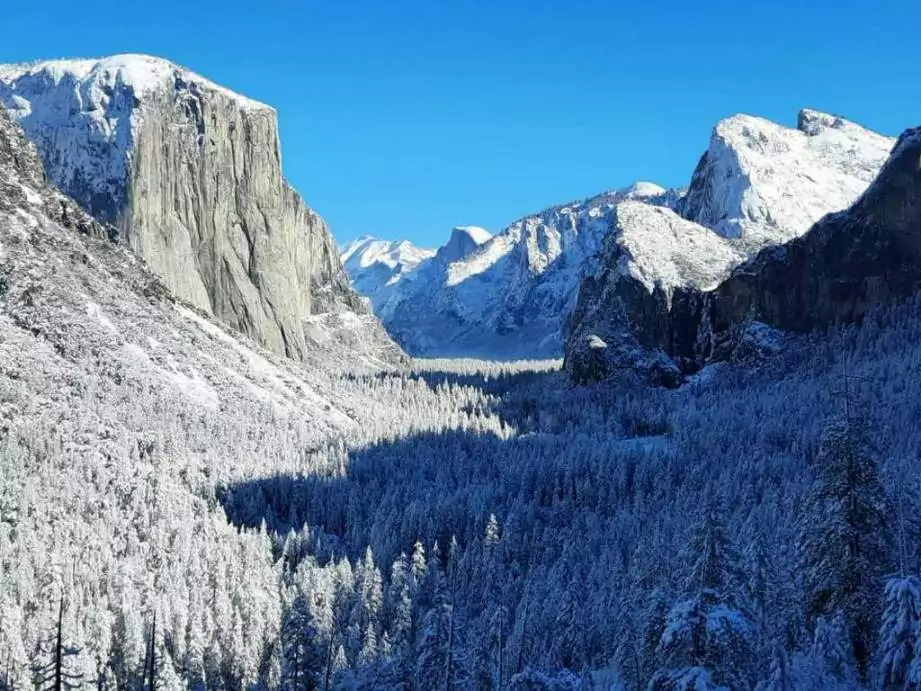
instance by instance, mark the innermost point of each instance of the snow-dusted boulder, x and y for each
(190, 175)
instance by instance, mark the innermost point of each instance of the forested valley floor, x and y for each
(476, 526)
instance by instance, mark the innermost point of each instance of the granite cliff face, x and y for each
(758, 185)
(190, 175)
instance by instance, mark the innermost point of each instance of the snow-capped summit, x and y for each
(376, 266)
(367, 251)
(463, 241)
(643, 190)
(97, 78)
(765, 183)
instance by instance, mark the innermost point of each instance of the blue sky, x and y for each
(404, 118)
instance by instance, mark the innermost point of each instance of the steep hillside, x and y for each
(190, 175)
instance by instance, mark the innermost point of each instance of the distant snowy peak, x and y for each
(643, 190)
(376, 266)
(463, 241)
(367, 251)
(765, 183)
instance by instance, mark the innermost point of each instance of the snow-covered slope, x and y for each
(758, 184)
(766, 184)
(190, 174)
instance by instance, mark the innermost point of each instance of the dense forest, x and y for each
(497, 528)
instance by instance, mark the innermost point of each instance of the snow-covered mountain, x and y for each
(766, 184)
(190, 175)
(375, 266)
(845, 265)
(758, 184)
(504, 296)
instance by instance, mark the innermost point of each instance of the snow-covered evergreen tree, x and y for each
(900, 634)
(845, 543)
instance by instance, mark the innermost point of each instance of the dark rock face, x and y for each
(849, 263)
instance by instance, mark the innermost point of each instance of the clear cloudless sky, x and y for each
(404, 118)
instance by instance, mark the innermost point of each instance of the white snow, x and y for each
(665, 249)
(145, 74)
(768, 183)
(84, 114)
(95, 311)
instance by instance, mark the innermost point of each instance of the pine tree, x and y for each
(708, 637)
(302, 659)
(56, 674)
(832, 653)
(492, 531)
(780, 677)
(151, 667)
(400, 606)
(900, 633)
(845, 545)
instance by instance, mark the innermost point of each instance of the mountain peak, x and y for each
(812, 122)
(463, 241)
(143, 74)
(476, 233)
(642, 190)
(767, 183)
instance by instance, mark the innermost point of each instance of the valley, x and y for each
(680, 451)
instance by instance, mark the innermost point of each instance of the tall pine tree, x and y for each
(845, 545)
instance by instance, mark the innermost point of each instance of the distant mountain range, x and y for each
(511, 295)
